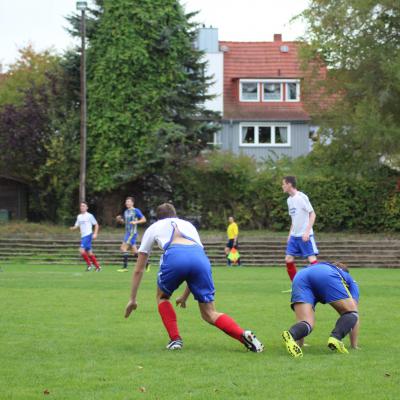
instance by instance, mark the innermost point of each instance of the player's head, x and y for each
(166, 210)
(129, 202)
(83, 206)
(341, 265)
(231, 219)
(289, 183)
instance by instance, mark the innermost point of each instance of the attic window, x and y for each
(284, 48)
(249, 91)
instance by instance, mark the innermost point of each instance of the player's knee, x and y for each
(289, 259)
(82, 251)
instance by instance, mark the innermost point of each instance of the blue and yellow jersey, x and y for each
(130, 215)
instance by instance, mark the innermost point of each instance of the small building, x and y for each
(258, 91)
(14, 196)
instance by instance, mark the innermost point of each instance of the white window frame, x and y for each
(241, 90)
(217, 140)
(256, 126)
(297, 92)
(272, 100)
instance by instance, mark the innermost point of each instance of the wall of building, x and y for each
(230, 139)
(14, 198)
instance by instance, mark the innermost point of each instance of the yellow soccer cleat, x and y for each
(291, 346)
(336, 345)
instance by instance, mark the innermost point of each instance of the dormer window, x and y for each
(273, 90)
(249, 91)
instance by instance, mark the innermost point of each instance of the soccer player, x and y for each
(183, 260)
(300, 242)
(132, 217)
(86, 221)
(323, 283)
(233, 234)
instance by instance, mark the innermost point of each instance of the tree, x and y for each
(359, 42)
(145, 90)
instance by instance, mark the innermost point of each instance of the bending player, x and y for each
(132, 217)
(300, 241)
(323, 283)
(184, 259)
(85, 221)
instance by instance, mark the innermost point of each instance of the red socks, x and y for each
(86, 258)
(291, 270)
(94, 260)
(168, 317)
(229, 326)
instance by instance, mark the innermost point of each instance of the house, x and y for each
(258, 88)
(14, 197)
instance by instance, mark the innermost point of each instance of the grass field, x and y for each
(62, 332)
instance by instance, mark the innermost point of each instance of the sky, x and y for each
(42, 22)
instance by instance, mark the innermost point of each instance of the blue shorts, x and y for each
(86, 242)
(318, 283)
(296, 247)
(187, 263)
(130, 238)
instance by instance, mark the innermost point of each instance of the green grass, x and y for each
(63, 330)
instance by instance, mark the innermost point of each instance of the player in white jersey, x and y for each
(301, 242)
(85, 222)
(183, 260)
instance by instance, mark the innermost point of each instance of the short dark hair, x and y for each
(130, 198)
(341, 265)
(165, 210)
(291, 179)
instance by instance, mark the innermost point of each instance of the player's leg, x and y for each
(83, 253)
(290, 266)
(93, 259)
(168, 317)
(302, 328)
(347, 308)
(125, 254)
(309, 249)
(226, 324)
(227, 250)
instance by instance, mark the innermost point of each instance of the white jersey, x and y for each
(85, 222)
(299, 209)
(162, 232)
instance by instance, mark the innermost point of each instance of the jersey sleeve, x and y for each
(77, 222)
(307, 204)
(139, 214)
(353, 288)
(235, 230)
(147, 241)
(93, 220)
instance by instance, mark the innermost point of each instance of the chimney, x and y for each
(277, 37)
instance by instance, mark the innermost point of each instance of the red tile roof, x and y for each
(260, 60)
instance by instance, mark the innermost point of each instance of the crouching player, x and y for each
(323, 283)
(183, 260)
(85, 221)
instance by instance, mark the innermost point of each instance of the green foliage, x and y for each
(358, 40)
(146, 84)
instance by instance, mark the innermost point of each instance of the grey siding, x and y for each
(299, 141)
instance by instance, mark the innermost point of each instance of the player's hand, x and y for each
(181, 302)
(71, 228)
(94, 237)
(131, 306)
(306, 237)
(133, 222)
(118, 218)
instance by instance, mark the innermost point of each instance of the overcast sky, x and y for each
(42, 23)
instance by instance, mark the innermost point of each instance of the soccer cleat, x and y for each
(98, 269)
(337, 345)
(251, 342)
(291, 346)
(89, 268)
(148, 267)
(175, 344)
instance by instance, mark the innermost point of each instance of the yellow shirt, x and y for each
(232, 231)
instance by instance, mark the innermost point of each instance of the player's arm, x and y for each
(290, 231)
(75, 227)
(236, 233)
(142, 219)
(136, 279)
(181, 300)
(96, 231)
(311, 220)
(119, 219)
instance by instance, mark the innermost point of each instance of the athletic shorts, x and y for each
(130, 238)
(86, 242)
(230, 245)
(318, 283)
(188, 263)
(296, 247)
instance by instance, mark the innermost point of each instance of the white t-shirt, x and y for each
(162, 232)
(85, 222)
(299, 209)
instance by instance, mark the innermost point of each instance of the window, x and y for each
(214, 140)
(266, 135)
(248, 134)
(249, 91)
(292, 91)
(272, 92)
